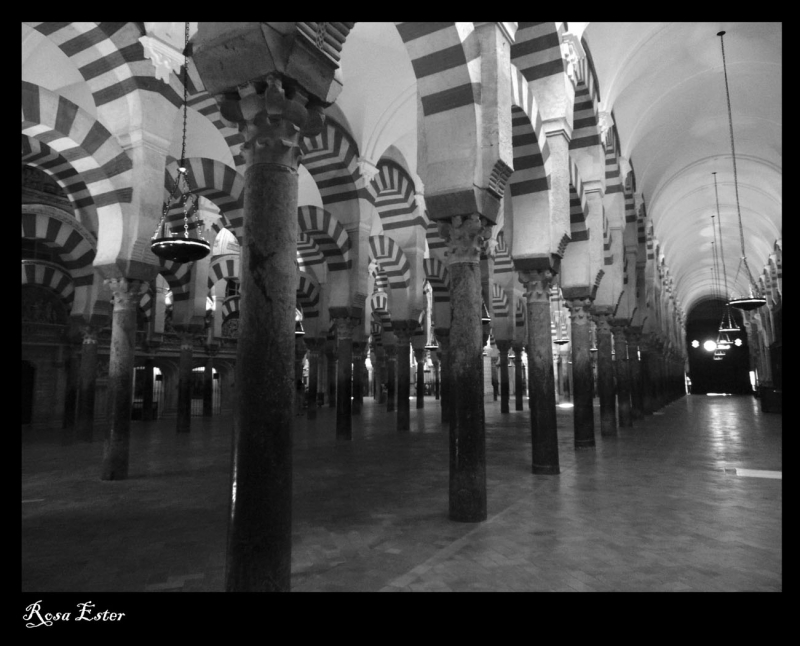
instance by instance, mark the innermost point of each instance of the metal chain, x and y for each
(733, 155)
(183, 142)
(721, 247)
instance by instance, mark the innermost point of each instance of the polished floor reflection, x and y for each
(665, 506)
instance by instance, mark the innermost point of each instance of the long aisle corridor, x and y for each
(689, 499)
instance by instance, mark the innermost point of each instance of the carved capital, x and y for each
(537, 285)
(419, 354)
(165, 58)
(579, 310)
(603, 322)
(274, 120)
(464, 236)
(345, 327)
(89, 335)
(126, 292)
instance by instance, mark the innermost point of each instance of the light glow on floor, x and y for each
(757, 473)
(718, 394)
(566, 405)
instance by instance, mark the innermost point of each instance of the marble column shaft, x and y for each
(344, 376)
(358, 373)
(518, 390)
(541, 379)
(443, 338)
(260, 528)
(330, 368)
(116, 447)
(184, 419)
(84, 426)
(621, 367)
(503, 346)
(313, 376)
(635, 372)
(391, 376)
(464, 239)
(582, 381)
(419, 355)
(403, 377)
(605, 377)
(147, 391)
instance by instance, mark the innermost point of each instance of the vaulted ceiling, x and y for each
(664, 84)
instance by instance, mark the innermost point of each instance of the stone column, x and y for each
(299, 387)
(147, 391)
(633, 337)
(116, 446)
(582, 382)
(605, 376)
(208, 382)
(419, 355)
(344, 376)
(403, 331)
(646, 368)
(443, 338)
(503, 346)
(260, 528)
(518, 389)
(622, 372)
(330, 373)
(84, 425)
(380, 374)
(464, 238)
(358, 372)
(436, 367)
(313, 346)
(184, 419)
(541, 380)
(391, 375)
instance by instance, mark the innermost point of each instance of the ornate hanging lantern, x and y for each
(169, 242)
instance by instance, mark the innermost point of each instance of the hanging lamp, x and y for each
(560, 340)
(485, 318)
(754, 300)
(166, 242)
(727, 324)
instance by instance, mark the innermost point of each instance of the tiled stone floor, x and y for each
(653, 509)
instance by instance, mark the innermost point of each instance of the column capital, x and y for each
(603, 321)
(464, 237)
(404, 330)
(419, 354)
(579, 310)
(126, 291)
(273, 120)
(89, 335)
(345, 325)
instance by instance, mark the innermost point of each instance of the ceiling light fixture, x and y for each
(167, 242)
(754, 300)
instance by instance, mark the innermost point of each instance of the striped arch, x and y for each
(218, 183)
(519, 314)
(531, 151)
(578, 208)
(223, 267)
(375, 330)
(75, 245)
(178, 277)
(111, 60)
(630, 208)
(393, 262)
(499, 301)
(380, 310)
(308, 252)
(436, 243)
(381, 281)
(147, 302)
(393, 193)
(441, 53)
(230, 307)
(47, 274)
(613, 177)
(436, 274)
(203, 103)
(537, 49)
(308, 296)
(608, 254)
(329, 235)
(91, 149)
(332, 159)
(41, 156)
(503, 264)
(585, 130)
